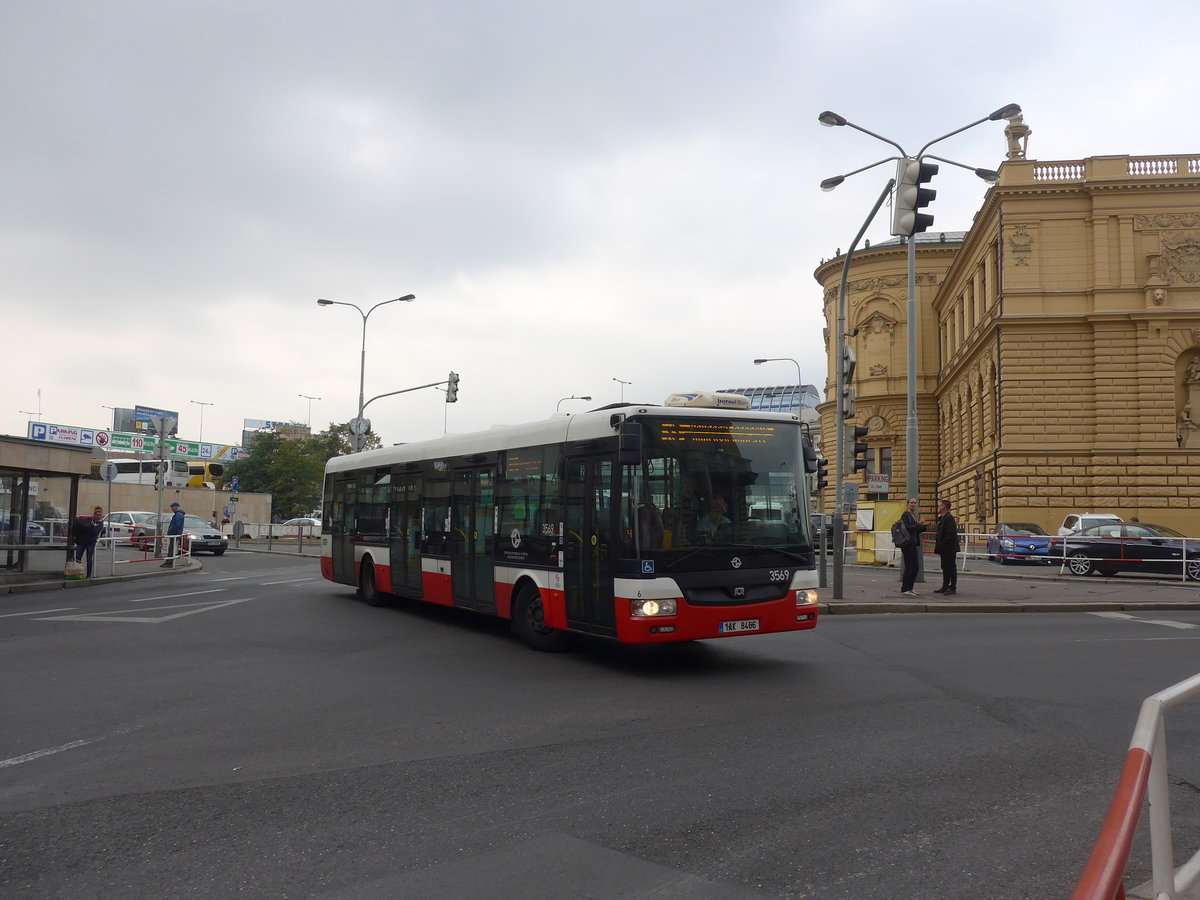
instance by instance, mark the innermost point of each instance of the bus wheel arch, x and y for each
(368, 587)
(529, 620)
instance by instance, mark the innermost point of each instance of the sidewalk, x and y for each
(987, 587)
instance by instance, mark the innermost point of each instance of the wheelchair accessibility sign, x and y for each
(647, 567)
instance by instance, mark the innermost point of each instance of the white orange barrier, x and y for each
(1144, 776)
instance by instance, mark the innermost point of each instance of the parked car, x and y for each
(34, 532)
(1112, 547)
(121, 524)
(304, 520)
(201, 535)
(1018, 542)
(1078, 521)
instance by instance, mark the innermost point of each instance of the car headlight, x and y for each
(647, 608)
(1007, 543)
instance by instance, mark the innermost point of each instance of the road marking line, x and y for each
(38, 754)
(173, 596)
(1166, 623)
(293, 581)
(36, 612)
(232, 578)
(114, 616)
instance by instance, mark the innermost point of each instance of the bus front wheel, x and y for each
(368, 589)
(529, 622)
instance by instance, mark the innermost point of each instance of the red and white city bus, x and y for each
(647, 524)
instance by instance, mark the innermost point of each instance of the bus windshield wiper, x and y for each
(788, 553)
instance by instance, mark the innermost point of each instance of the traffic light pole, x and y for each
(839, 558)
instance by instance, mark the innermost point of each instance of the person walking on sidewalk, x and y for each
(912, 549)
(946, 546)
(174, 535)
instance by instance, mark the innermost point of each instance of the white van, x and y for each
(1078, 521)
(146, 471)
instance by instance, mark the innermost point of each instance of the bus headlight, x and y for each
(646, 608)
(805, 598)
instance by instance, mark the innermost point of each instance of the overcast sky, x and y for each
(575, 192)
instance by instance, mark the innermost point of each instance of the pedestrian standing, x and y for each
(911, 550)
(946, 546)
(174, 535)
(86, 531)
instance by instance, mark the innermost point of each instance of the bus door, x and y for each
(341, 518)
(590, 542)
(472, 525)
(406, 535)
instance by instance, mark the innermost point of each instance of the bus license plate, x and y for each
(739, 626)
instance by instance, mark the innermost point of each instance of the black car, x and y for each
(1112, 547)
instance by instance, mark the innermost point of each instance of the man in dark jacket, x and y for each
(911, 551)
(85, 531)
(946, 546)
(174, 535)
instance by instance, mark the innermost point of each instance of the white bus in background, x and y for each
(146, 471)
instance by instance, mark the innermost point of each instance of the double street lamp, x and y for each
(358, 427)
(832, 120)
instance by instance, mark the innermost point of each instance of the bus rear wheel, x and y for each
(368, 589)
(529, 622)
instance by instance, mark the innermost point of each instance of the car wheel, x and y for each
(1003, 560)
(1079, 564)
(1191, 569)
(368, 589)
(529, 622)
(1106, 572)
(218, 552)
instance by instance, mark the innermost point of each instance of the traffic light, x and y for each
(852, 447)
(907, 218)
(452, 388)
(848, 363)
(822, 476)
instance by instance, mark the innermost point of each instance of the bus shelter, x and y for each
(39, 489)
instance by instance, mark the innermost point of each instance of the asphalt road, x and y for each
(254, 731)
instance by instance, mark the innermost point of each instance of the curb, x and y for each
(30, 587)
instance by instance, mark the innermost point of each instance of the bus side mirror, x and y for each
(629, 444)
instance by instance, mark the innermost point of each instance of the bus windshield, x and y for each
(717, 482)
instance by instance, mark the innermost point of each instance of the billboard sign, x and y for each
(125, 442)
(144, 417)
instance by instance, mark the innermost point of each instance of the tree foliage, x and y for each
(291, 469)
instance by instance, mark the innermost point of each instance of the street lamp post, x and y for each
(308, 421)
(623, 383)
(799, 375)
(572, 397)
(358, 431)
(831, 120)
(201, 404)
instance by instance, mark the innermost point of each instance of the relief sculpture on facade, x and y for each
(1188, 434)
(1181, 257)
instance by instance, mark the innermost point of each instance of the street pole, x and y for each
(839, 558)
(831, 120)
(357, 433)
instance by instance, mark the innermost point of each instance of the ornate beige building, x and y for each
(1058, 361)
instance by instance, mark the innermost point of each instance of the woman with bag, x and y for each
(86, 531)
(911, 549)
